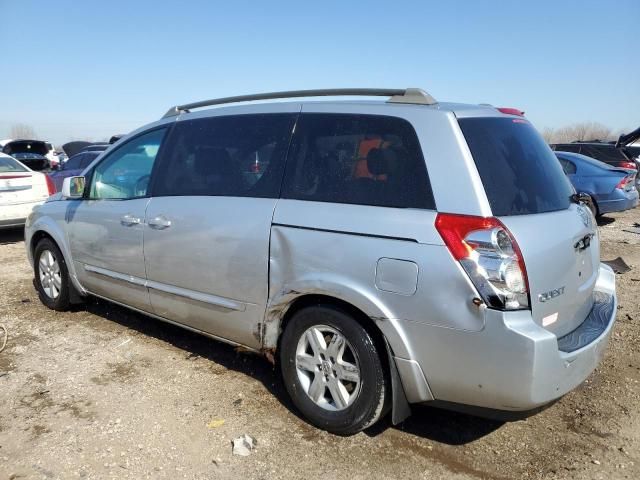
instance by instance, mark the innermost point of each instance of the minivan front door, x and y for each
(106, 229)
(209, 221)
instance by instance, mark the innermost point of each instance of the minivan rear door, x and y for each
(528, 191)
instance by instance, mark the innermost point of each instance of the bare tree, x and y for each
(22, 131)
(581, 132)
(591, 131)
(548, 134)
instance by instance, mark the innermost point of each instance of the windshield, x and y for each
(8, 164)
(520, 173)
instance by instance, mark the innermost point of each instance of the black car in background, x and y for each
(96, 147)
(603, 151)
(617, 154)
(32, 153)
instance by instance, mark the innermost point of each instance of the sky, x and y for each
(87, 70)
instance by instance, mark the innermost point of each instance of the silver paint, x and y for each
(230, 268)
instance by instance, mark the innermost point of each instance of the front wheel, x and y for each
(333, 370)
(51, 275)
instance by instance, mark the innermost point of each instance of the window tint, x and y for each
(568, 167)
(239, 155)
(87, 159)
(75, 162)
(125, 172)
(357, 159)
(520, 174)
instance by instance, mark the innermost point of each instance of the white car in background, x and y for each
(21, 189)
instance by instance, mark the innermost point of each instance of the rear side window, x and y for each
(357, 159)
(568, 167)
(236, 156)
(520, 174)
(8, 164)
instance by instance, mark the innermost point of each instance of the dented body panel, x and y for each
(236, 265)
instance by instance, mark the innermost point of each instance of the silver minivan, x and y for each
(382, 252)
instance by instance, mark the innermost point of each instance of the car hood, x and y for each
(71, 148)
(629, 138)
(56, 197)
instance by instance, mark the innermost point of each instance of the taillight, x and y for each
(628, 165)
(489, 254)
(511, 111)
(626, 183)
(51, 187)
(8, 177)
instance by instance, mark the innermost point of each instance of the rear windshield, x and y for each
(520, 173)
(8, 164)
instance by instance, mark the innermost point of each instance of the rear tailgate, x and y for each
(528, 191)
(562, 256)
(22, 187)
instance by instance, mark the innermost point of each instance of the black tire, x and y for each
(62, 302)
(370, 401)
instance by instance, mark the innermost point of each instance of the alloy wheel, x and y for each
(327, 368)
(49, 273)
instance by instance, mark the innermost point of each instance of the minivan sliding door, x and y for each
(209, 220)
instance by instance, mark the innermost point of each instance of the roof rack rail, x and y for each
(409, 95)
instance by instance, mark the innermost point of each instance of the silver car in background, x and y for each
(382, 252)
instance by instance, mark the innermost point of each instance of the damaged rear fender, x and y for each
(369, 304)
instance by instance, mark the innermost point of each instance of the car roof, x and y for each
(271, 106)
(583, 158)
(602, 144)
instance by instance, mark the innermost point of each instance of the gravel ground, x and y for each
(102, 392)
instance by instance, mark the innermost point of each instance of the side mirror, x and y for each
(73, 187)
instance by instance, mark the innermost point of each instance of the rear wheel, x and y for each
(51, 275)
(332, 370)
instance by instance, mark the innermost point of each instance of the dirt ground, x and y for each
(102, 392)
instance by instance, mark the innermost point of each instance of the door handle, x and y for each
(160, 222)
(129, 220)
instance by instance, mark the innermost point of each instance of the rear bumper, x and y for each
(513, 364)
(15, 215)
(626, 201)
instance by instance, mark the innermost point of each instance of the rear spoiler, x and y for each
(625, 140)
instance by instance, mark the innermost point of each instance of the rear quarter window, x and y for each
(357, 159)
(8, 164)
(520, 173)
